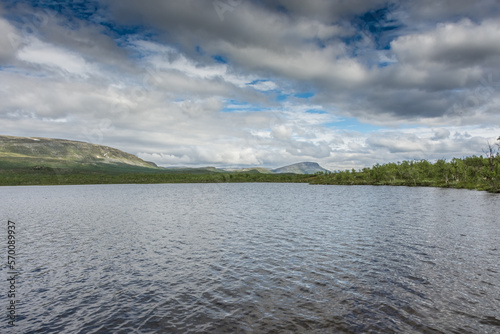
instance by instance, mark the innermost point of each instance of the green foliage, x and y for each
(475, 172)
(126, 174)
(482, 173)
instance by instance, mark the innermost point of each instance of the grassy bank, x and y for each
(476, 172)
(57, 176)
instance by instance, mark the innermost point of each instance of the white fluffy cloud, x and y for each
(52, 57)
(347, 84)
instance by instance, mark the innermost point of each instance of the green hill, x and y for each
(46, 153)
(44, 161)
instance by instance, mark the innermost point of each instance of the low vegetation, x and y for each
(475, 172)
(124, 174)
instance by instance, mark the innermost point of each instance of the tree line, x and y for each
(475, 172)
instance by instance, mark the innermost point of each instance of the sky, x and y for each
(239, 83)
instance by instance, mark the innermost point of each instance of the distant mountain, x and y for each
(301, 168)
(250, 170)
(35, 153)
(60, 153)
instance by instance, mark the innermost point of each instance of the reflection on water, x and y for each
(237, 258)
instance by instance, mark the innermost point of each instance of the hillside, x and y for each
(301, 168)
(43, 161)
(39, 153)
(34, 153)
(260, 170)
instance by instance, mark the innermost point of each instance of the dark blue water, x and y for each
(261, 258)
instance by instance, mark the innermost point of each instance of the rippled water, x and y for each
(263, 258)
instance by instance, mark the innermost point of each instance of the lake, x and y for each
(253, 258)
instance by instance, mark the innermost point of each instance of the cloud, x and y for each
(451, 45)
(49, 56)
(270, 83)
(441, 134)
(448, 10)
(9, 40)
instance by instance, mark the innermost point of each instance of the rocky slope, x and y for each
(47, 152)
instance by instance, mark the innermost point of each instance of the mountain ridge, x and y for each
(39, 152)
(51, 152)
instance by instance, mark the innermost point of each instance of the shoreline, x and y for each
(166, 178)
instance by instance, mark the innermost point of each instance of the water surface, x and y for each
(242, 258)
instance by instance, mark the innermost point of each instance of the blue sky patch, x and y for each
(381, 24)
(352, 124)
(305, 95)
(257, 81)
(316, 111)
(241, 106)
(282, 97)
(220, 59)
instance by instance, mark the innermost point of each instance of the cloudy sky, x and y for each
(232, 83)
